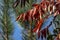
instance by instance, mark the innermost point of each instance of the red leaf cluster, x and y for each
(31, 14)
(37, 12)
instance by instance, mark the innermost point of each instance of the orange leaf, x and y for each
(37, 15)
(30, 14)
(24, 17)
(19, 17)
(35, 9)
(38, 26)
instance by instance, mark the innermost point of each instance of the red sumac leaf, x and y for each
(38, 26)
(19, 17)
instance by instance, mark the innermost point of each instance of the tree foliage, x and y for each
(5, 21)
(38, 13)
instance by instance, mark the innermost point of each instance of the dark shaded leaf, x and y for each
(22, 3)
(16, 3)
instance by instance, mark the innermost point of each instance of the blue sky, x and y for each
(17, 35)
